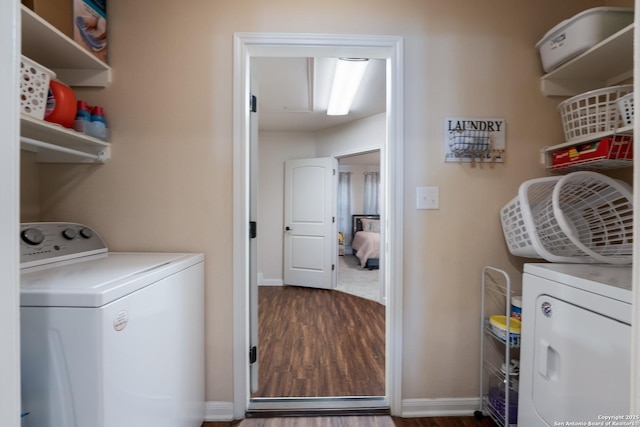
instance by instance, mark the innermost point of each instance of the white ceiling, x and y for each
(293, 93)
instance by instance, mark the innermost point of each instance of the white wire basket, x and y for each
(592, 112)
(470, 142)
(625, 107)
(34, 87)
(596, 213)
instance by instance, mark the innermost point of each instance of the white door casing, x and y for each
(253, 244)
(309, 222)
(390, 48)
(10, 405)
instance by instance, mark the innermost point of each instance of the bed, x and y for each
(366, 240)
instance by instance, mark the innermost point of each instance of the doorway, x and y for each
(359, 272)
(277, 45)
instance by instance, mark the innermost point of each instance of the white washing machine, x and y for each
(576, 344)
(109, 339)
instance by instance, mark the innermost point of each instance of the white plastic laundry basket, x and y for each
(592, 112)
(515, 232)
(546, 236)
(519, 228)
(596, 213)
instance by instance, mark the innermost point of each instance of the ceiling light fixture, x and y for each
(346, 81)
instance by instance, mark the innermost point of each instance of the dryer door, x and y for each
(570, 380)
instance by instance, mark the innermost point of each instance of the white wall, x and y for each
(275, 148)
(363, 135)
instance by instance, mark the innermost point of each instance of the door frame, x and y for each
(390, 48)
(10, 25)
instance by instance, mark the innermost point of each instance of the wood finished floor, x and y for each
(319, 343)
(358, 422)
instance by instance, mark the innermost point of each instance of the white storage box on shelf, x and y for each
(596, 213)
(593, 112)
(34, 87)
(575, 35)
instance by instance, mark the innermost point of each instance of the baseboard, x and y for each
(272, 282)
(218, 411)
(412, 408)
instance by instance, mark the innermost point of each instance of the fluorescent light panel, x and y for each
(346, 81)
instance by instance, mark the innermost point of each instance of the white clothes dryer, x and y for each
(109, 339)
(576, 345)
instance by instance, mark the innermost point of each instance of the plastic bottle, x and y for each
(61, 104)
(83, 112)
(83, 117)
(97, 117)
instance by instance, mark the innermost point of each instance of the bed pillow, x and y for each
(371, 225)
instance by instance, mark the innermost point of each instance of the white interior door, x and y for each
(309, 222)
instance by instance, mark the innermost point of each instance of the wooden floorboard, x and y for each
(319, 343)
(358, 422)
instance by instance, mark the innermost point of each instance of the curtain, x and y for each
(344, 206)
(370, 198)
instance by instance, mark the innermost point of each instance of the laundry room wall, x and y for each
(168, 186)
(29, 188)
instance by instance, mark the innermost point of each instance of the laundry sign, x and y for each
(474, 139)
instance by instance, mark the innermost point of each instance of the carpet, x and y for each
(358, 281)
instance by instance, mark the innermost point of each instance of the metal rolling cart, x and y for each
(499, 350)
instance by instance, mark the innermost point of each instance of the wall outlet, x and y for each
(427, 198)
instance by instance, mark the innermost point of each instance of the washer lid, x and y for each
(97, 280)
(612, 281)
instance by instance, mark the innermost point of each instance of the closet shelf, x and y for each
(608, 63)
(48, 46)
(56, 144)
(597, 164)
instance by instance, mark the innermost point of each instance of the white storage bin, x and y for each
(34, 87)
(625, 106)
(573, 36)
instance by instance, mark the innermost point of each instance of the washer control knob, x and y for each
(69, 233)
(32, 236)
(86, 233)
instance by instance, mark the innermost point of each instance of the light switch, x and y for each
(427, 198)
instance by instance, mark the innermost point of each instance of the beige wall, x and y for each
(169, 184)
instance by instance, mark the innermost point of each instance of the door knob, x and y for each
(287, 228)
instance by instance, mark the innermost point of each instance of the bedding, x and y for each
(367, 246)
(366, 240)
